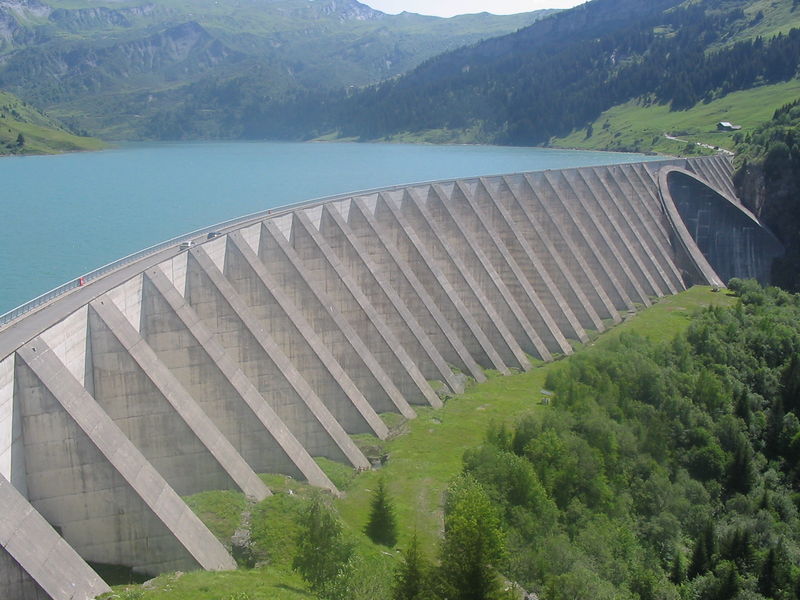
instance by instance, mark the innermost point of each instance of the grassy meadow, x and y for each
(637, 127)
(41, 134)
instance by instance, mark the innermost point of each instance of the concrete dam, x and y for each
(273, 339)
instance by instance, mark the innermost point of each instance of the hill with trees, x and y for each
(25, 130)
(561, 73)
(173, 69)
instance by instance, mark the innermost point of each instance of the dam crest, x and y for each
(276, 337)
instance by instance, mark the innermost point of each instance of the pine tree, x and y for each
(767, 584)
(740, 470)
(729, 583)
(678, 571)
(699, 563)
(774, 428)
(790, 382)
(703, 553)
(381, 526)
(742, 408)
(411, 578)
(775, 576)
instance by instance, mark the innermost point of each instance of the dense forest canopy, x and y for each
(661, 470)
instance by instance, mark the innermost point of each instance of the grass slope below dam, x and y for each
(424, 455)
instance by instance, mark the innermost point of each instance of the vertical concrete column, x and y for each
(476, 268)
(475, 292)
(547, 254)
(217, 303)
(336, 333)
(647, 190)
(202, 364)
(707, 168)
(621, 231)
(272, 314)
(362, 224)
(393, 226)
(157, 414)
(12, 451)
(616, 182)
(240, 413)
(583, 242)
(89, 480)
(386, 300)
(460, 208)
(724, 168)
(46, 566)
(594, 225)
(561, 231)
(361, 315)
(497, 218)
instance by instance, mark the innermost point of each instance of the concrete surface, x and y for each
(261, 349)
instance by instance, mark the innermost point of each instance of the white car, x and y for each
(186, 245)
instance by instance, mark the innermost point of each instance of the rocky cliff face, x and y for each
(13, 14)
(751, 187)
(350, 10)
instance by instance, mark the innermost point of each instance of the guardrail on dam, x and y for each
(258, 350)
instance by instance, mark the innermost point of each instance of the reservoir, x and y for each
(68, 214)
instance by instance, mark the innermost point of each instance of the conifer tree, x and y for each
(381, 527)
(790, 382)
(740, 469)
(412, 577)
(775, 579)
(703, 553)
(729, 583)
(678, 571)
(767, 583)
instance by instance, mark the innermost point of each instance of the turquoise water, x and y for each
(68, 214)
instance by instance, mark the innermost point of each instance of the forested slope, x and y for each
(661, 470)
(561, 73)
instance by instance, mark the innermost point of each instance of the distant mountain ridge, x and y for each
(122, 67)
(562, 72)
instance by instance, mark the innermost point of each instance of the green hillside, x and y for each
(25, 130)
(634, 126)
(612, 63)
(175, 69)
(425, 454)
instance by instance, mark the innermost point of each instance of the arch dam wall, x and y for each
(263, 348)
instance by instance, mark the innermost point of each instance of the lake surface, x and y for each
(68, 214)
